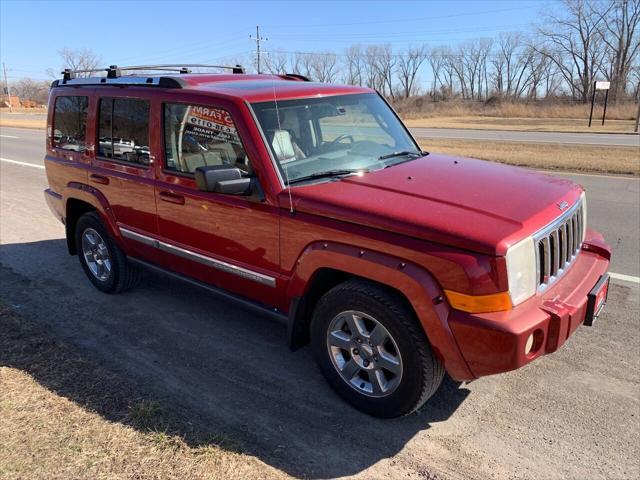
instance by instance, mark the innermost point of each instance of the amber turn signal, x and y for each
(496, 302)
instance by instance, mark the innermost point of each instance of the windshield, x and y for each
(332, 136)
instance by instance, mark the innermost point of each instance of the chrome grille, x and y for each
(558, 244)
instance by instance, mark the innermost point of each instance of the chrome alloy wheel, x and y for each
(96, 254)
(364, 353)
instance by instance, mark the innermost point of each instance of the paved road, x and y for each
(613, 201)
(574, 414)
(22, 144)
(602, 139)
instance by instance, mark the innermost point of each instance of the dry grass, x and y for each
(504, 115)
(524, 124)
(620, 160)
(419, 107)
(22, 123)
(42, 110)
(61, 416)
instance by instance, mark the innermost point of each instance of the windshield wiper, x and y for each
(328, 174)
(402, 153)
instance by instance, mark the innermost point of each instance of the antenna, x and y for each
(258, 39)
(279, 140)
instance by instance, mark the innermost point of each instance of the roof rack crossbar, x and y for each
(185, 66)
(113, 71)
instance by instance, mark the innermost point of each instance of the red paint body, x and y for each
(421, 227)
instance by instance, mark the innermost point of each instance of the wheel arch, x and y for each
(323, 265)
(80, 199)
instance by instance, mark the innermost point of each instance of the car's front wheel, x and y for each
(372, 351)
(104, 263)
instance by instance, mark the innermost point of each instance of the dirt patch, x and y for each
(63, 416)
(579, 158)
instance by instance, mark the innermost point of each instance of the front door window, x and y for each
(197, 136)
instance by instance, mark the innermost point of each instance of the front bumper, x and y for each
(495, 342)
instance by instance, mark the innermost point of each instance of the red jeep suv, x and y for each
(313, 203)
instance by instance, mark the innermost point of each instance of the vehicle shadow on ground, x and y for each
(167, 356)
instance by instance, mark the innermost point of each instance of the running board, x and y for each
(218, 292)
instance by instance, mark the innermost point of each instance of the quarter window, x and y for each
(197, 136)
(123, 132)
(70, 122)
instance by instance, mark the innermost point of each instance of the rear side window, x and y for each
(123, 131)
(197, 136)
(70, 122)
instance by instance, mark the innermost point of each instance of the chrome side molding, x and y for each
(202, 259)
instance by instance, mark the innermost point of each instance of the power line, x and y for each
(423, 32)
(187, 49)
(423, 19)
(401, 55)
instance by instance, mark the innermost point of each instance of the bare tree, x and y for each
(276, 62)
(573, 44)
(619, 31)
(302, 64)
(373, 78)
(551, 77)
(458, 68)
(30, 89)
(324, 66)
(509, 64)
(437, 59)
(470, 67)
(634, 78)
(79, 59)
(483, 51)
(448, 61)
(354, 65)
(379, 64)
(408, 65)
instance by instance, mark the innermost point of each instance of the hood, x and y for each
(471, 204)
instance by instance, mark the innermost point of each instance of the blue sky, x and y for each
(127, 33)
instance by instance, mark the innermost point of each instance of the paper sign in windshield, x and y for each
(211, 123)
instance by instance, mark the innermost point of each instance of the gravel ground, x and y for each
(573, 414)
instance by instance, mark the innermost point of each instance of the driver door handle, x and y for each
(99, 179)
(171, 197)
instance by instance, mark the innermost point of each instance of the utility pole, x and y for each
(258, 39)
(6, 86)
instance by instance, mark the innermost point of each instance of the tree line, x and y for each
(569, 50)
(586, 40)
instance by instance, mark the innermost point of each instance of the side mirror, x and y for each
(222, 179)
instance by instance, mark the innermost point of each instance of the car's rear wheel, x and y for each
(104, 263)
(372, 351)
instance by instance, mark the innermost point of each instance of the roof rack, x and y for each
(113, 71)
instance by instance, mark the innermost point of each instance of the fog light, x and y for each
(529, 345)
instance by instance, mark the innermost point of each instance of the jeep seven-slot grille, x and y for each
(558, 245)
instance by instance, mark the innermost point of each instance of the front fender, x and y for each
(411, 280)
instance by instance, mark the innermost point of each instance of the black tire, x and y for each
(123, 275)
(422, 372)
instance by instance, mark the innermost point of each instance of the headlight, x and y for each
(521, 270)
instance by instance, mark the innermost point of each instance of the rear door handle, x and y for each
(99, 179)
(171, 197)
